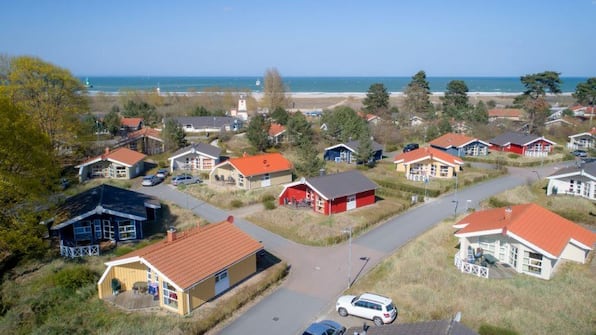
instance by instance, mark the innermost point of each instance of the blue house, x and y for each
(102, 213)
(348, 152)
(460, 145)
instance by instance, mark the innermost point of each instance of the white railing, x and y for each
(536, 153)
(416, 177)
(73, 252)
(474, 269)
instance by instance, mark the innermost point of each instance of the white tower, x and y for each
(242, 104)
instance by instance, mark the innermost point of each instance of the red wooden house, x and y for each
(522, 144)
(330, 194)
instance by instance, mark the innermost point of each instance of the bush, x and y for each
(269, 204)
(236, 203)
(74, 277)
(496, 203)
(267, 197)
(513, 156)
(494, 330)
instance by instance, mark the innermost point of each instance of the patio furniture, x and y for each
(116, 286)
(489, 259)
(139, 287)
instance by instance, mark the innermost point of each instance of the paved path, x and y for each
(319, 275)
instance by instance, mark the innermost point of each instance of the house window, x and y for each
(444, 171)
(532, 262)
(97, 171)
(120, 171)
(108, 230)
(97, 227)
(513, 257)
(207, 164)
(82, 231)
(170, 297)
(416, 169)
(320, 205)
(488, 244)
(148, 275)
(127, 230)
(240, 180)
(571, 184)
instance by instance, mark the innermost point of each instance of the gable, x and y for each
(259, 164)
(337, 185)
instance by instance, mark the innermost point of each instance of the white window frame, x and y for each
(170, 295)
(127, 230)
(531, 264)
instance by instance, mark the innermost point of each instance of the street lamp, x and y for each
(349, 232)
(537, 174)
(455, 209)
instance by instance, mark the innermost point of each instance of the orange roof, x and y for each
(421, 154)
(199, 253)
(528, 223)
(260, 164)
(131, 122)
(149, 132)
(276, 129)
(504, 112)
(121, 155)
(452, 140)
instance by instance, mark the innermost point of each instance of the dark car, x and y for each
(580, 153)
(411, 146)
(162, 173)
(325, 327)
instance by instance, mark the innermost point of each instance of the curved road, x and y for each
(319, 275)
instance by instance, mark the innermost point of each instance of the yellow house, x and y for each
(424, 163)
(188, 268)
(250, 172)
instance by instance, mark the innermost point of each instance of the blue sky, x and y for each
(305, 38)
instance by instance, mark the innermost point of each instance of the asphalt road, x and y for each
(318, 275)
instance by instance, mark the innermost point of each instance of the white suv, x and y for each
(370, 306)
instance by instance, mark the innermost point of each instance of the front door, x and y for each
(266, 180)
(222, 282)
(351, 202)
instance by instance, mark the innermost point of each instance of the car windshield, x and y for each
(390, 307)
(148, 178)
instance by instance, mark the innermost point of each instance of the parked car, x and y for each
(150, 180)
(587, 160)
(410, 147)
(370, 306)
(162, 173)
(580, 153)
(325, 327)
(185, 179)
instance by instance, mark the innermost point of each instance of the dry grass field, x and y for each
(424, 283)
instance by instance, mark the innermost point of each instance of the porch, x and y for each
(130, 300)
(78, 251)
(497, 270)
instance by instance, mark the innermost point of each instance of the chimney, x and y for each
(230, 219)
(321, 172)
(508, 211)
(244, 154)
(171, 234)
(107, 150)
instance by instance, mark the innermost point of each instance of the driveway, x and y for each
(319, 275)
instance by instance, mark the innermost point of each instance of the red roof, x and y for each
(260, 164)
(534, 224)
(199, 253)
(276, 129)
(149, 132)
(421, 154)
(452, 140)
(131, 122)
(121, 155)
(504, 112)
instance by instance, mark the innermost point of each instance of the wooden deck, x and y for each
(131, 301)
(501, 271)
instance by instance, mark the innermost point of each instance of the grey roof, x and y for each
(514, 138)
(587, 168)
(205, 148)
(437, 327)
(341, 184)
(353, 145)
(106, 198)
(201, 122)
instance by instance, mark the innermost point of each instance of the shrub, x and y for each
(267, 197)
(496, 203)
(513, 156)
(494, 330)
(74, 277)
(236, 203)
(269, 204)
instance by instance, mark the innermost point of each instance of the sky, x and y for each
(304, 38)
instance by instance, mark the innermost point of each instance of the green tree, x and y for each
(143, 110)
(585, 93)
(50, 95)
(377, 99)
(274, 91)
(343, 123)
(258, 133)
(534, 97)
(173, 135)
(200, 111)
(28, 173)
(112, 120)
(280, 115)
(444, 126)
(309, 163)
(299, 130)
(417, 101)
(455, 100)
(479, 113)
(365, 149)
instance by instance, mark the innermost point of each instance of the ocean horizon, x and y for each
(304, 85)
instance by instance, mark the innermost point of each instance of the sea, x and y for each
(305, 85)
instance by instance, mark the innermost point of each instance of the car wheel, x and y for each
(378, 322)
(342, 312)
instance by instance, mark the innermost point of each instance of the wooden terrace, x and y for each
(131, 300)
(495, 270)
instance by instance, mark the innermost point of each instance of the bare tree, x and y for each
(274, 91)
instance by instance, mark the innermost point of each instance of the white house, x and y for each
(577, 180)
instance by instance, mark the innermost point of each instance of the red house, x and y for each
(522, 144)
(330, 194)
